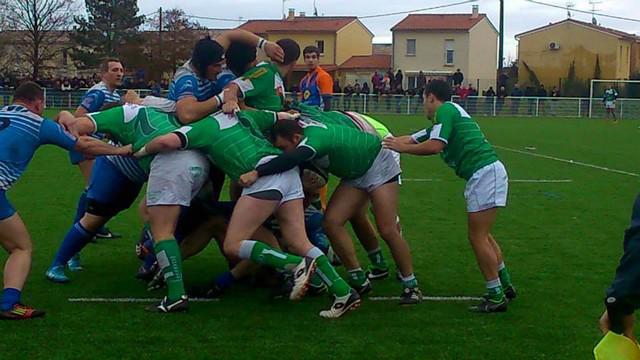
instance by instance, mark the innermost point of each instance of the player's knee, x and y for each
(92, 222)
(231, 249)
(389, 232)
(331, 222)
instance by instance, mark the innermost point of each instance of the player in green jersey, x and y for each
(262, 87)
(173, 181)
(368, 173)
(463, 146)
(609, 101)
(360, 222)
(236, 150)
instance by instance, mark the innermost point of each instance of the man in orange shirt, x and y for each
(317, 85)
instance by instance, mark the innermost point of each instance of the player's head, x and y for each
(435, 93)
(287, 134)
(311, 56)
(207, 58)
(31, 96)
(291, 54)
(111, 71)
(240, 57)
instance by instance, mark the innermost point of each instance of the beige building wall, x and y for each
(353, 39)
(483, 56)
(306, 39)
(577, 43)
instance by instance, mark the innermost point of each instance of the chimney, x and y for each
(302, 14)
(292, 14)
(474, 11)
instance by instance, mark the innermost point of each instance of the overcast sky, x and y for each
(520, 15)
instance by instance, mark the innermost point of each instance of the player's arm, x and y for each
(425, 142)
(252, 84)
(279, 164)
(76, 125)
(193, 136)
(161, 144)
(52, 133)
(188, 108)
(325, 84)
(91, 102)
(273, 50)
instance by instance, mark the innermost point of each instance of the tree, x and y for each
(36, 29)
(173, 45)
(572, 85)
(533, 78)
(111, 26)
(597, 72)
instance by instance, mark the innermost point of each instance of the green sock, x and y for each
(327, 272)
(170, 261)
(505, 278)
(316, 280)
(377, 259)
(357, 277)
(264, 254)
(495, 291)
(409, 281)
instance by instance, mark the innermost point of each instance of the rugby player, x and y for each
(463, 146)
(22, 131)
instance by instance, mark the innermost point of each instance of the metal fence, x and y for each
(410, 105)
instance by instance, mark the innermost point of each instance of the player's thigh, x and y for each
(345, 201)
(110, 191)
(14, 234)
(480, 223)
(248, 214)
(291, 220)
(385, 206)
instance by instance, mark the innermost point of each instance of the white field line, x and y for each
(551, 181)
(568, 161)
(428, 298)
(130, 300)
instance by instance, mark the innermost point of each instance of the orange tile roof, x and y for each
(378, 61)
(432, 22)
(298, 24)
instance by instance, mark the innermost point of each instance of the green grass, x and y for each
(561, 241)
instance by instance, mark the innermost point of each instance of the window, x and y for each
(411, 47)
(448, 52)
(320, 46)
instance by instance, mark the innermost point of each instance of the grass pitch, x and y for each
(561, 235)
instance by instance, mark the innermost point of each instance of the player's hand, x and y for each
(274, 51)
(67, 120)
(230, 107)
(395, 144)
(289, 115)
(126, 150)
(132, 97)
(248, 179)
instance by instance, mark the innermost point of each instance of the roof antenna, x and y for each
(570, 5)
(593, 4)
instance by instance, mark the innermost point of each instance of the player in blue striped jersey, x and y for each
(194, 86)
(102, 94)
(22, 131)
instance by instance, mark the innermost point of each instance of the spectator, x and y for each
(387, 84)
(516, 94)
(488, 103)
(336, 87)
(422, 82)
(457, 77)
(530, 93)
(541, 94)
(503, 79)
(156, 89)
(502, 94)
(555, 94)
(66, 86)
(398, 81)
(376, 82)
(365, 89)
(472, 99)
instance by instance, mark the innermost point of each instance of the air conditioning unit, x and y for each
(554, 46)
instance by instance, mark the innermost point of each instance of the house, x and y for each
(546, 53)
(439, 44)
(338, 38)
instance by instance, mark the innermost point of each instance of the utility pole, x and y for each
(501, 40)
(161, 58)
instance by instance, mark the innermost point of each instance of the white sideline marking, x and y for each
(568, 161)
(553, 181)
(131, 300)
(427, 298)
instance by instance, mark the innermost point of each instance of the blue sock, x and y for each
(82, 206)
(225, 280)
(75, 240)
(10, 297)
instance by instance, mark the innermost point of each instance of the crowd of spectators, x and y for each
(66, 84)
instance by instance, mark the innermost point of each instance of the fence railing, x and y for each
(411, 105)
